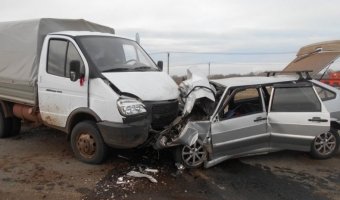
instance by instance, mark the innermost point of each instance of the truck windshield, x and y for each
(111, 54)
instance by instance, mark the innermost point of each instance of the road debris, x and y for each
(121, 180)
(120, 156)
(151, 170)
(141, 175)
(180, 166)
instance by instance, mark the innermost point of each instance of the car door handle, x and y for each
(260, 119)
(317, 119)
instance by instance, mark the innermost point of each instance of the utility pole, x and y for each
(209, 69)
(168, 55)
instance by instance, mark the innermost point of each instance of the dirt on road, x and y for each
(38, 164)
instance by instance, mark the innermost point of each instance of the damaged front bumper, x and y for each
(129, 135)
(193, 131)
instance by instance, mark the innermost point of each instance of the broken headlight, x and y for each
(129, 106)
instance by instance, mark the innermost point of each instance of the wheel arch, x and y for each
(78, 115)
(335, 124)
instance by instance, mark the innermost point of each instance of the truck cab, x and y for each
(103, 90)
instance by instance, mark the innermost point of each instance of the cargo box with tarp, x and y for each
(20, 47)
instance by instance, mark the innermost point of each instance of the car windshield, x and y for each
(111, 54)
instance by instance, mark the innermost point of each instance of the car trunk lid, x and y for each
(315, 57)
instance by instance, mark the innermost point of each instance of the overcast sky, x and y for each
(241, 26)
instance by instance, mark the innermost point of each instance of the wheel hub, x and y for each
(325, 143)
(193, 155)
(86, 145)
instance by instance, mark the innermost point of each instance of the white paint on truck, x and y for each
(103, 101)
(149, 86)
(59, 96)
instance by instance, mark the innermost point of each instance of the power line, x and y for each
(218, 64)
(224, 53)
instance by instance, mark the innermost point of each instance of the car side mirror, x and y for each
(74, 70)
(160, 65)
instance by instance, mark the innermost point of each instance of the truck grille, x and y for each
(162, 112)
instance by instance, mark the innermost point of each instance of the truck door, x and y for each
(242, 125)
(296, 115)
(58, 95)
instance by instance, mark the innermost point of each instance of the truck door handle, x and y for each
(260, 119)
(317, 119)
(50, 90)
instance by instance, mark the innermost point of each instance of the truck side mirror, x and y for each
(160, 65)
(74, 70)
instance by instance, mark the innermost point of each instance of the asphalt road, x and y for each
(38, 164)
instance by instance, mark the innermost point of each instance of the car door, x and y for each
(296, 115)
(58, 95)
(241, 127)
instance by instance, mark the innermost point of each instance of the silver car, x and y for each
(244, 116)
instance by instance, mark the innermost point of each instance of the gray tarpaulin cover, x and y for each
(20, 46)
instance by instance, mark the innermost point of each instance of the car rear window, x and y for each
(295, 99)
(324, 94)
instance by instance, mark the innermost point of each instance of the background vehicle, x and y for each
(78, 77)
(333, 79)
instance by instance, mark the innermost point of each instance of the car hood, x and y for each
(148, 86)
(315, 57)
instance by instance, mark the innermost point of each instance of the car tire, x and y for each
(325, 145)
(87, 143)
(191, 156)
(5, 125)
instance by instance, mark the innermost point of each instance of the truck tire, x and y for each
(87, 143)
(5, 125)
(16, 126)
(325, 145)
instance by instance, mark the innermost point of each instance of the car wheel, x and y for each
(191, 156)
(325, 145)
(5, 125)
(87, 143)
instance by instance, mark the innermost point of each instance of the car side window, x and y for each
(243, 102)
(295, 99)
(60, 55)
(324, 94)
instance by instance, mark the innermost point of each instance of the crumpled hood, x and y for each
(195, 80)
(149, 86)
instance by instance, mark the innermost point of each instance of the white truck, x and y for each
(78, 77)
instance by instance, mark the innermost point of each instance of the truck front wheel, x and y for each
(87, 143)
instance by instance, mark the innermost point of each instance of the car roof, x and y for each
(253, 80)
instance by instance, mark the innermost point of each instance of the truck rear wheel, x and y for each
(16, 126)
(5, 125)
(87, 143)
